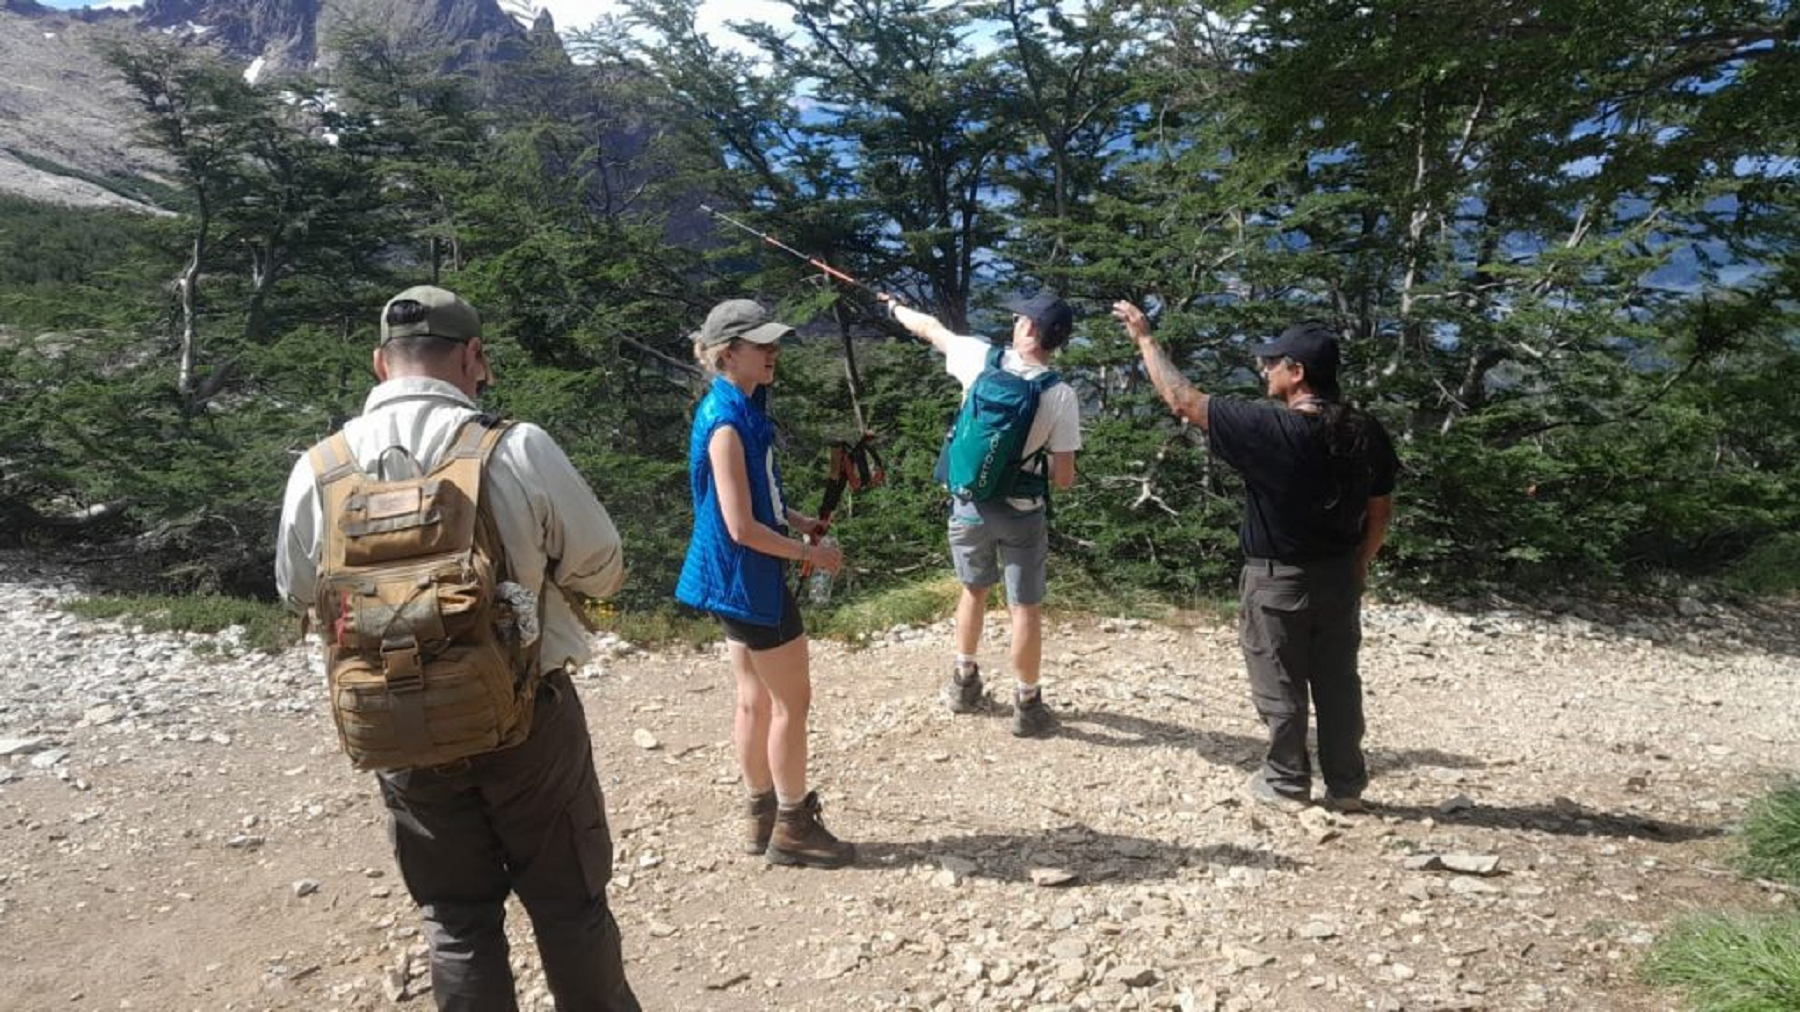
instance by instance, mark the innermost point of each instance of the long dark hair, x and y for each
(1346, 431)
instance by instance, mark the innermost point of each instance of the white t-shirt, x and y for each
(1057, 424)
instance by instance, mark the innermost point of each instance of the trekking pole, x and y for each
(789, 250)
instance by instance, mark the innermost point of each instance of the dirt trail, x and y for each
(178, 830)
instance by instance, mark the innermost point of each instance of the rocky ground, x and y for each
(178, 830)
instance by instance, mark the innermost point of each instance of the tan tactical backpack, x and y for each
(422, 641)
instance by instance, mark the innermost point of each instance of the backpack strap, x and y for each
(994, 355)
(466, 460)
(333, 460)
(1034, 467)
(466, 463)
(475, 440)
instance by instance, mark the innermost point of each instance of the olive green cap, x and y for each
(445, 316)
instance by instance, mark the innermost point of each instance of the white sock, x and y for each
(1027, 690)
(964, 660)
(786, 802)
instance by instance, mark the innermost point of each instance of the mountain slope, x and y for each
(295, 35)
(68, 132)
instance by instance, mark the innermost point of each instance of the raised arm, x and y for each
(1181, 396)
(920, 325)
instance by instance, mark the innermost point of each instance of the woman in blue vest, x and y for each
(734, 569)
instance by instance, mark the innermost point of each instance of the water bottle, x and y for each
(818, 583)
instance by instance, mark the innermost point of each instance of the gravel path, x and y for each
(178, 830)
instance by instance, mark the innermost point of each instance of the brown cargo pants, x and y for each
(530, 820)
(1301, 627)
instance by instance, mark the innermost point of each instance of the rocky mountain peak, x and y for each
(295, 35)
(67, 125)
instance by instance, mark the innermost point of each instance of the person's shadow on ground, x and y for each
(1561, 817)
(1068, 856)
(1119, 730)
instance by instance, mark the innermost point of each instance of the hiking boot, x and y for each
(1031, 718)
(1348, 804)
(1265, 793)
(759, 822)
(963, 694)
(800, 838)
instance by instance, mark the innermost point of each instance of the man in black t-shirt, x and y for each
(1318, 477)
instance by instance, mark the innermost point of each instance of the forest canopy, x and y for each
(1557, 242)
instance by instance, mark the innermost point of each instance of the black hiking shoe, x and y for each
(963, 693)
(1031, 718)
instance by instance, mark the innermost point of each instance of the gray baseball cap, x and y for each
(741, 320)
(445, 316)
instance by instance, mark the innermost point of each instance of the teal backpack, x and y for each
(981, 456)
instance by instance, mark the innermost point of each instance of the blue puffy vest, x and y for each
(719, 575)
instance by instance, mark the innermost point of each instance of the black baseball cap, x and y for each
(1312, 344)
(1054, 318)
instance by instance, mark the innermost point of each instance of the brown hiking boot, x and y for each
(759, 822)
(801, 839)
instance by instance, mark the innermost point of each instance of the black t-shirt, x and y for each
(1298, 510)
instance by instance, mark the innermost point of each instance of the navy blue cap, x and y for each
(1312, 344)
(1055, 319)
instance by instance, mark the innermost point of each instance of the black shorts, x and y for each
(768, 637)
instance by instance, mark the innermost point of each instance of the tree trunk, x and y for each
(187, 286)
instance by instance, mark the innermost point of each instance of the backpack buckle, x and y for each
(401, 667)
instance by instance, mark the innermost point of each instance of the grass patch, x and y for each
(1074, 590)
(1771, 569)
(1772, 836)
(1732, 963)
(662, 627)
(266, 626)
(919, 603)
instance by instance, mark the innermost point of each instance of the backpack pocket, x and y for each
(464, 702)
(388, 521)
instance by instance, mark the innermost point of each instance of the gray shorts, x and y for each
(986, 537)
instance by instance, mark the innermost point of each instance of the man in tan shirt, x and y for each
(529, 819)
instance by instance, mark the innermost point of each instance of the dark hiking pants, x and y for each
(530, 820)
(1301, 627)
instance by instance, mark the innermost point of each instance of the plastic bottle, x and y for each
(818, 584)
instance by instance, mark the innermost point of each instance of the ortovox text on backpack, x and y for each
(423, 652)
(982, 458)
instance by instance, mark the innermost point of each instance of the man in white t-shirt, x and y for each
(989, 540)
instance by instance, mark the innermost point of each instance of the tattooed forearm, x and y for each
(1181, 396)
